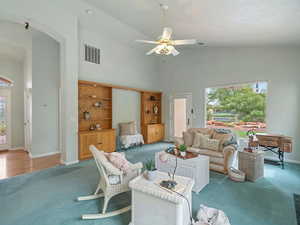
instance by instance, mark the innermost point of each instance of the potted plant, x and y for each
(182, 149)
(150, 169)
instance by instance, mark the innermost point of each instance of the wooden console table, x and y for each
(278, 144)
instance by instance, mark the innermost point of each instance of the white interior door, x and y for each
(5, 118)
(180, 114)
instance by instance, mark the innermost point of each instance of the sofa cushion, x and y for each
(206, 131)
(200, 140)
(223, 138)
(216, 160)
(212, 144)
(188, 138)
(206, 152)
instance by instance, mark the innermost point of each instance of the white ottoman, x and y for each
(153, 205)
(196, 168)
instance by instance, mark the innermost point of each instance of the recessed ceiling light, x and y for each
(89, 11)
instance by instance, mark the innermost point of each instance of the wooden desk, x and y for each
(278, 144)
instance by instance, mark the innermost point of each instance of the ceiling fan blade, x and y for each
(174, 52)
(167, 33)
(185, 42)
(154, 50)
(147, 42)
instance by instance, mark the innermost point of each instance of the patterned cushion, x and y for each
(128, 128)
(212, 144)
(206, 131)
(223, 138)
(101, 158)
(188, 138)
(200, 140)
(119, 161)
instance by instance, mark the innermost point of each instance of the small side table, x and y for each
(152, 204)
(196, 168)
(252, 164)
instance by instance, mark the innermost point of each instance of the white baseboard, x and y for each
(17, 148)
(69, 163)
(285, 160)
(43, 155)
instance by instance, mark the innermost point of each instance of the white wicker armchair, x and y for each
(112, 182)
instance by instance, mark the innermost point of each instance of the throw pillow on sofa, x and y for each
(188, 138)
(212, 144)
(223, 138)
(200, 140)
(205, 131)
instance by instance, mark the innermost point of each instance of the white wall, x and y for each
(12, 69)
(121, 63)
(126, 107)
(45, 94)
(194, 70)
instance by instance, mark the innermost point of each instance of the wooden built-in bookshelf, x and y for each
(151, 113)
(89, 94)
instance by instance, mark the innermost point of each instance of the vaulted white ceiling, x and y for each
(215, 22)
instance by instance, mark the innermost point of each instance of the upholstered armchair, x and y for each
(113, 181)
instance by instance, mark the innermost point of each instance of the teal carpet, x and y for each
(48, 197)
(297, 207)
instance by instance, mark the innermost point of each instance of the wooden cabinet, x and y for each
(103, 140)
(152, 128)
(153, 133)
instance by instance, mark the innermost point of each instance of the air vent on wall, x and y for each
(91, 54)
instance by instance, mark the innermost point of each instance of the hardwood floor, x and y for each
(18, 162)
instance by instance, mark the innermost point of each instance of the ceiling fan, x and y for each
(165, 45)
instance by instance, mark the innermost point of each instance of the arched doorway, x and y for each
(65, 33)
(39, 90)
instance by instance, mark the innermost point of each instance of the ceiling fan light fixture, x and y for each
(165, 43)
(163, 49)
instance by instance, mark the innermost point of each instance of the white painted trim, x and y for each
(69, 163)
(17, 148)
(189, 97)
(43, 155)
(285, 160)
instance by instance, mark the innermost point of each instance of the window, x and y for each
(238, 107)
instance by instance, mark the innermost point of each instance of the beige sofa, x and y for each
(220, 159)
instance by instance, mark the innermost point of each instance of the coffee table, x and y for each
(195, 167)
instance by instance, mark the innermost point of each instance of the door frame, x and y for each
(8, 95)
(189, 97)
(28, 119)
